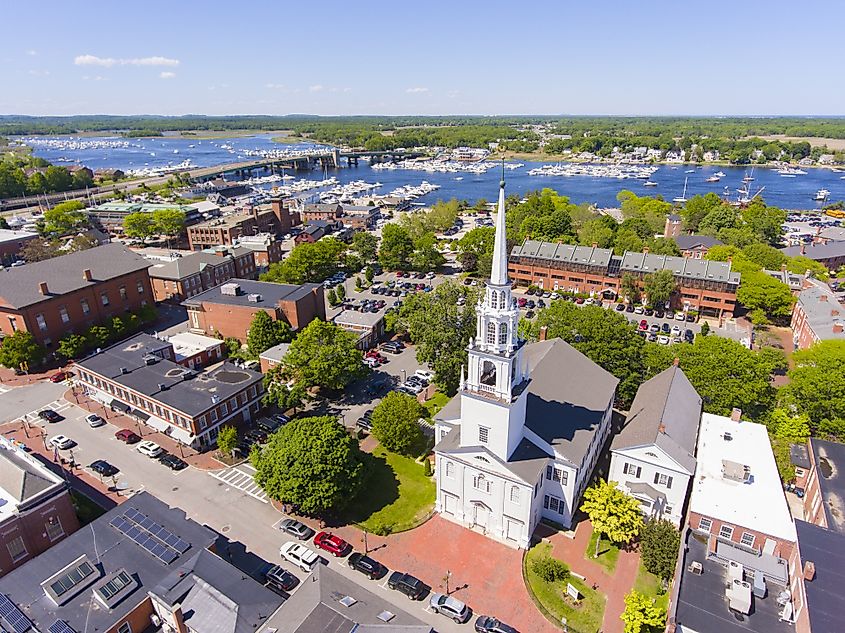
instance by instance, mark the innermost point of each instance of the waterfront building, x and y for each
(830, 254)
(109, 216)
(228, 229)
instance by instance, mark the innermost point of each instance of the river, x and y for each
(131, 153)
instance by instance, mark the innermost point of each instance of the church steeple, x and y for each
(499, 273)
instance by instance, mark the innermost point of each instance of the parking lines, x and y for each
(241, 478)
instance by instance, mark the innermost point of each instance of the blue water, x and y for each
(787, 193)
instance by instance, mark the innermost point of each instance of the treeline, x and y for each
(22, 175)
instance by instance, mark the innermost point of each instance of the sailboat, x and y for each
(748, 177)
(683, 197)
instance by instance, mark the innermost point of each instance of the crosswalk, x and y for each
(240, 477)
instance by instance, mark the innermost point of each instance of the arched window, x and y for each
(491, 333)
(514, 494)
(450, 469)
(503, 334)
(494, 299)
(502, 300)
(480, 482)
(488, 374)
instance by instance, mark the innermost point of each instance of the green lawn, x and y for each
(649, 585)
(584, 617)
(397, 495)
(437, 402)
(86, 510)
(608, 553)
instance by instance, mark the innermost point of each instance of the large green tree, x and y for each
(613, 513)
(641, 615)
(169, 222)
(396, 423)
(426, 257)
(659, 287)
(396, 248)
(64, 218)
(659, 545)
(312, 463)
(760, 291)
(139, 225)
(308, 263)
(20, 350)
(266, 332)
(817, 387)
(366, 244)
(324, 355)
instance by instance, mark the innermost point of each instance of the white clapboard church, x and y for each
(520, 439)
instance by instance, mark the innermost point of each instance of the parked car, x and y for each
(59, 376)
(619, 308)
(62, 442)
(680, 317)
(688, 335)
(149, 448)
(644, 325)
(658, 314)
(299, 555)
(172, 462)
(280, 580)
(489, 624)
(412, 587)
(366, 565)
(529, 314)
(521, 302)
(94, 420)
(676, 331)
(425, 374)
(663, 339)
(296, 528)
(102, 467)
(127, 436)
(49, 415)
(639, 310)
(690, 318)
(365, 422)
(665, 327)
(450, 606)
(648, 312)
(332, 544)
(654, 328)
(630, 308)
(670, 315)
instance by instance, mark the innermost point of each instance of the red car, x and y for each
(125, 435)
(334, 545)
(643, 325)
(60, 376)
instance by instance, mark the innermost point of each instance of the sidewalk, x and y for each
(203, 461)
(8, 378)
(571, 551)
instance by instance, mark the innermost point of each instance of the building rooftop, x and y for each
(23, 479)
(825, 600)
(275, 353)
(825, 315)
(269, 294)
(795, 281)
(8, 235)
(702, 606)
(736, 479)
(137, 364)
(681, 266)
(187, 344)
(830, 461)
(816, 251)
(563, 252)
(691, 242)
(106, 550)
(19, 286)
(358, 319)
(665, 412)
(316, 607)
(192, 264)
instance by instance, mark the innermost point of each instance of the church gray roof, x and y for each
(666, 412)
(23, 480)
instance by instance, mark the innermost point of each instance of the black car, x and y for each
(630, 308)
(256, 436)
(269, 425)
(620, 307)
(529, 314)
(690, 318)
(666, 328)
(280, 580)
(489, 624)
(365, 422)
(649, 311)
(102, 467)
(366, 565)
(50, 416)
(658, 314)
(172, 462)
(412, 587)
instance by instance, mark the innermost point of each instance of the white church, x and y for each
(519, 441)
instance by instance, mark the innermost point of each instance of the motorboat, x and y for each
(649, 183)
(713, 178)
(821, 195)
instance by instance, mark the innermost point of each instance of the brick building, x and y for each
(191, 274)
(359, 217)
(228, 309)
(109, 216)
(266, 248)
(831, 255)
(37, 511)
(367, 326)
(140, 376)
(695, 246)
(708, 287)
(317, 229)
(195, 350)
(276, 220)
(73, 292)
(11, 244)
(817, 316)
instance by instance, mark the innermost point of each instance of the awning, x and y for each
(646, 490)
(120, 406)
(140, 415)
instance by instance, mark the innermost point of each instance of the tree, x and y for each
(72, 345)
(596, 232)
(801, 264)
(659, 287)
(426, 257)
(788, 427)
(757, 290)
(550, 569)
(266, 332)
(37, 250)
(58, 178)
(98, 336)
(139, 225)
(331, 297)
(659, 544)
(169, 222)
(278, 391)
(366, 244)
(324, 355)
(477, 242)
(227, 439)
(312, 463)
(630, 287)
(764, 255)
(641, 615)
(396, 248)
(719, 218)
(396, 423)
(817, 387)
(64, 218)
(308, 263)
(612, 512)
(369, 274)
(20, 350)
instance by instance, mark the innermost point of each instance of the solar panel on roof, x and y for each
(13, 616)
(60, 626)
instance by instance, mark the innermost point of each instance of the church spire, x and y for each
(499, 273)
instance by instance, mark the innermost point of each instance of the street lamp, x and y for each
(446, 580)
(366, 548)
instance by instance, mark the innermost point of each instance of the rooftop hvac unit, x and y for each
(150, 359)
(231, 290)
(254, 298)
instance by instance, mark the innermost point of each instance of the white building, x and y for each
(653, 456)
(519, 441)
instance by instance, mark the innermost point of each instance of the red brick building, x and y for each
(228, 309)
(266, 248)
(73, 292)
(277, 219)
(817, 316)
(191, 274)
(37, 510)
(708, 287)
(11, 244)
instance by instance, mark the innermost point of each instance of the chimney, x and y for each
(834, 313)
(676, 362)
(809, 570)
(661, 428)
(86, 274)
(645, 250)
(823, 298)
(736, 414)
(838, 327)
(543, 331)
(178, 619)
(42, 288)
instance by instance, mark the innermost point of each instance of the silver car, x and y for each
(450, 607)
(296, 528)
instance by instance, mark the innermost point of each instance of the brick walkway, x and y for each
(571, 551)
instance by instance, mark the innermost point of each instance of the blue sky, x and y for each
(517, 57)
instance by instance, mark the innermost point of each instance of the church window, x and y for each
(514, 494)
(491, 333)
(488, 372)
(450, 469)
(480, 482)
(503, 333)
(483, 434)
(494, 299)
(554, 504)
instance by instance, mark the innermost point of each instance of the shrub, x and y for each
(427, 467)
(550, 569)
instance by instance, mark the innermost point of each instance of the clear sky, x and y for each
(422, 57)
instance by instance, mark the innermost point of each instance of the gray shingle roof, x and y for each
(271, 294)
(817, 251)
(823, 312)
(680, 266)
(22, 480)
(188, 265)
(666, 412)
(688, 242)
(563, 252)
(19, 286)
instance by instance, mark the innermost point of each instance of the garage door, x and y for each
(451, 504)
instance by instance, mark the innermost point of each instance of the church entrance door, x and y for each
(482, 515)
